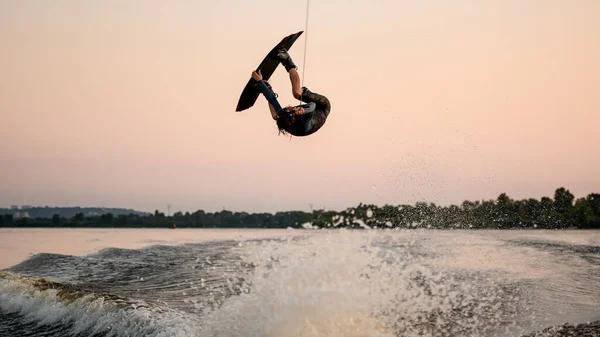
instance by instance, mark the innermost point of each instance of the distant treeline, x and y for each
(66, 212)
(503, 213)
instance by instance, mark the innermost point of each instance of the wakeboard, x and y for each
(267, 68)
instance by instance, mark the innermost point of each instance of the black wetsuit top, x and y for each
(305, 124)
(309, 123)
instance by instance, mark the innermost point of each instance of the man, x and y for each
(301, 120)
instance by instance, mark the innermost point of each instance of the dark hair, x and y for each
(285, 120)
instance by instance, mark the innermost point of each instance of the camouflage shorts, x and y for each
(321, 101)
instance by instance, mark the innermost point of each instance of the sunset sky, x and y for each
(131, 103)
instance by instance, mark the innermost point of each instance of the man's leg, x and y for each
(321, 101)
(290, 67)
(296, 85)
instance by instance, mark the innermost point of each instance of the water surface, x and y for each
(148, 282)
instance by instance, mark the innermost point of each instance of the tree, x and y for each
(106, 219)
(563, 200)
(79, 217)
(593, 201)
(55, 220)
(582, 213)
(546, 204)
(504, 211)
(503, 200)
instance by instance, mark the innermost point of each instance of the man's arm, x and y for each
(305, 108)
(273, 111)
(268, 93)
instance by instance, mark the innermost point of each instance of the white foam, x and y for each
(86, 314)
(339, 283)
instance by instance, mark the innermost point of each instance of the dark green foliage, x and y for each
(503, 213)
(563, 200)
(586, 212)
(79, 217)
(67, 212)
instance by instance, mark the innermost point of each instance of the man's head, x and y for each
(297, 110)
(286, 118)
(291, 110)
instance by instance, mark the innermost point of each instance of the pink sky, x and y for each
(131, 103)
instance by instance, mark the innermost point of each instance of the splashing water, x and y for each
(309, 283)
(346, 283)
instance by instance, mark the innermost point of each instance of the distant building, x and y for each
(19, 215)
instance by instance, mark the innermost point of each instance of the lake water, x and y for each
(149, 282)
